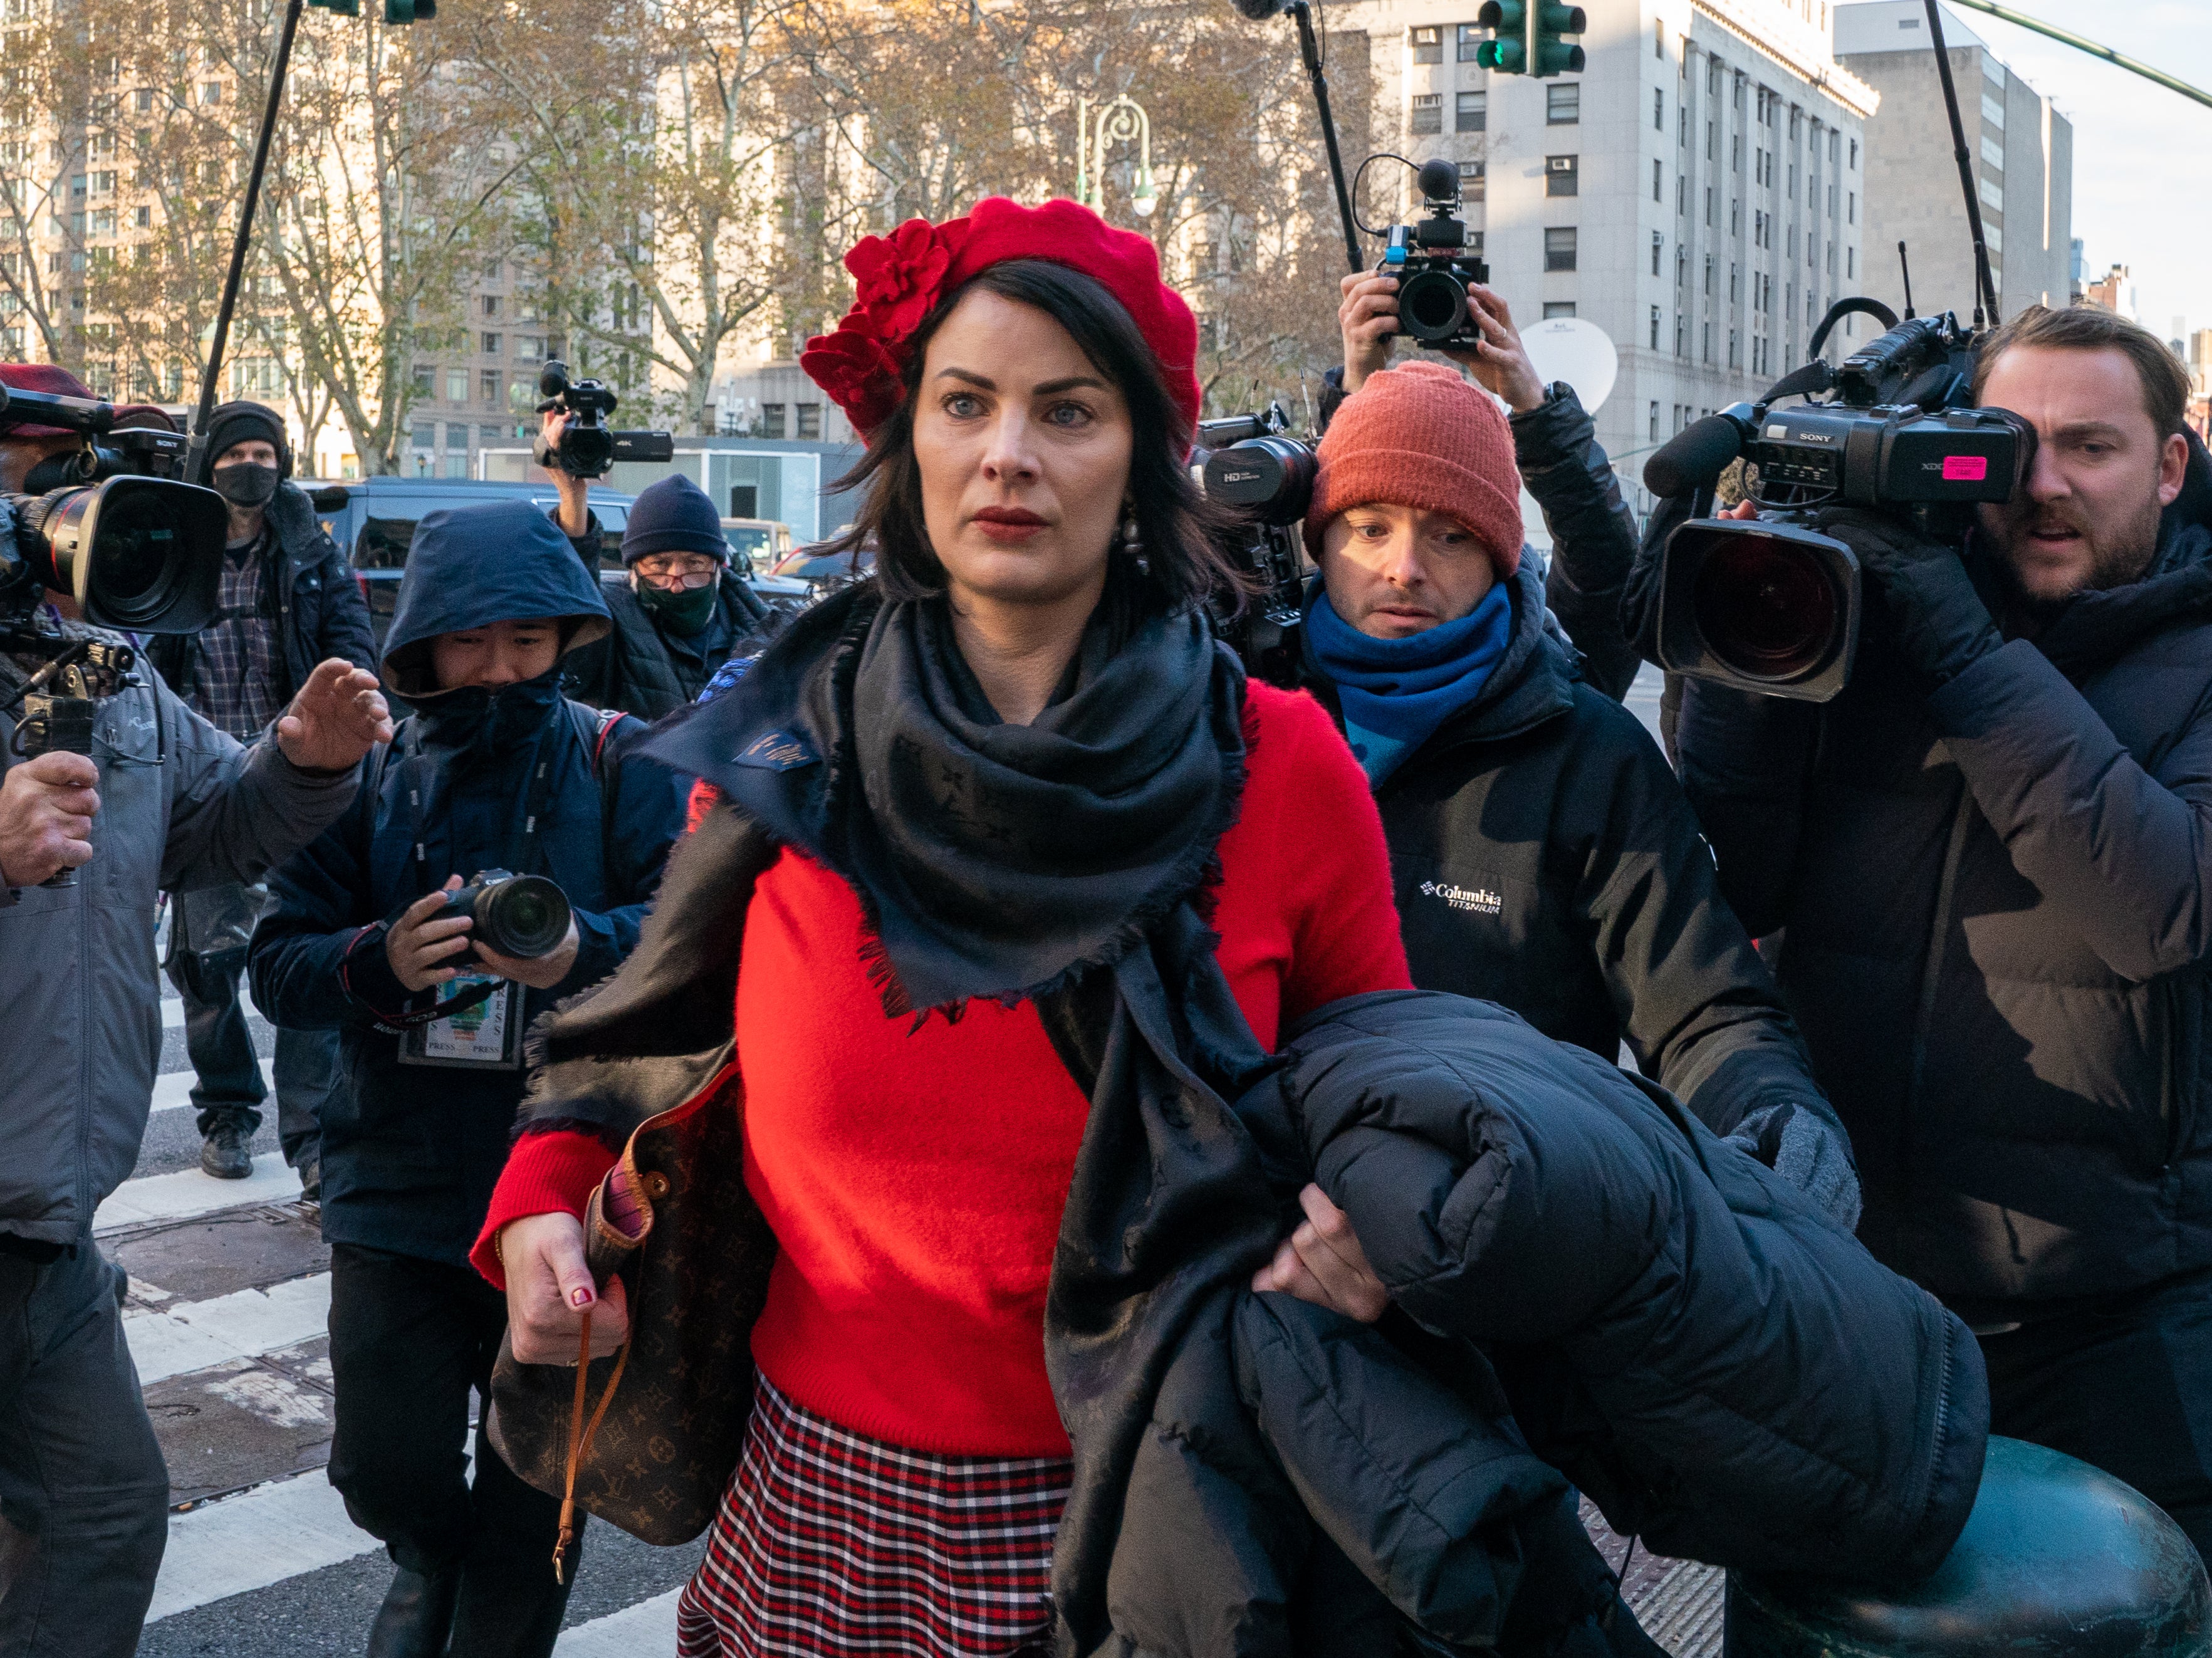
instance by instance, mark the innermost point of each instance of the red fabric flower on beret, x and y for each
(899, 279)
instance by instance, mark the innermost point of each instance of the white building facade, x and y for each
(1697, 191)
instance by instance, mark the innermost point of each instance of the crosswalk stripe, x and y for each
(194, 1335)
(189, 1193)
(249, 1541)
(647, 1628)
(172, 1091)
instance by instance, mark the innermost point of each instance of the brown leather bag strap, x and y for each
(581, 1436)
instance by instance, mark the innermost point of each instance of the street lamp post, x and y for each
(1098, 127)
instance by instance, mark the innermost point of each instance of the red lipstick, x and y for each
(1008, 524)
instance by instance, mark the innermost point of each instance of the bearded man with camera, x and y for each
(1989, 863)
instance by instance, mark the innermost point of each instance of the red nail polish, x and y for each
(580, 1297)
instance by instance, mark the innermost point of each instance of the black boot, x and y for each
(417, 1615)
(224, 1153)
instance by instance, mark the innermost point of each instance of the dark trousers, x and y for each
(84, 1496)
(409, 1340)
(227, 1087)
(2127, 1388)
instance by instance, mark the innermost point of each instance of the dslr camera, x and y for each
(1433, 268)
(1770, 605)
(588, 445)
(1266, 477)
(522, 917)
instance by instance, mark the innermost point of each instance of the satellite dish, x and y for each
(1576, 351)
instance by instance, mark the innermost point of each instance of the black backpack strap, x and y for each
(594, 726)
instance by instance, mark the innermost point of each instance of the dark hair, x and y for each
(1176, 524)
(2093, 328)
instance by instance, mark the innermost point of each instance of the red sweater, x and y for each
(915, 1177)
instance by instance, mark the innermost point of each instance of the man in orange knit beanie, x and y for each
(1543, 855)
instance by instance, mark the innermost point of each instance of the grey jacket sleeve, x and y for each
(1592, 532)
(235, 811)
(2125, 853)
(1700, 1011)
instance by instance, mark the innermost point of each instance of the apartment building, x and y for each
(1698, 191)
(2023, 155)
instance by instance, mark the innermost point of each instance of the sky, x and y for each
(2143, 155)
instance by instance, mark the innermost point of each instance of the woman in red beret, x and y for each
(975, 785)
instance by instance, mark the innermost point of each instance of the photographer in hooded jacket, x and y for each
(1990, 857)
(165, 800)
(1542, 854)
(289, 601)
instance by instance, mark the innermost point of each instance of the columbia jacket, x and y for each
(1543, 855)
(1995, 904)
(409, 1154)
(312, 601)
(181, 806)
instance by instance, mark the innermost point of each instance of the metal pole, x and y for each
(1310, 48)
(1966, 181)
(2090, 46)
(197, 458)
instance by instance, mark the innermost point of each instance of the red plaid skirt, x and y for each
(828, 1541)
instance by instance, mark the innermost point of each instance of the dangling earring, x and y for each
(1133, 546)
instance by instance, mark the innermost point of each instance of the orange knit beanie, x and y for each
(1418, 436)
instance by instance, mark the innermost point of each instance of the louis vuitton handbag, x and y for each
(648, 1438)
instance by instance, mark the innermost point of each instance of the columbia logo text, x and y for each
(1476, 901)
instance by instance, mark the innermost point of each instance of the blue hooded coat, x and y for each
(411, 1153)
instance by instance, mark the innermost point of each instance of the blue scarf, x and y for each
(1395, 692)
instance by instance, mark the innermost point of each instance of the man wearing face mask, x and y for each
(288, 602)
(681, 612)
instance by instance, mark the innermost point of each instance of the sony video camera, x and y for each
(110, 524)
(1433, 268)
(1268, 477)
(588, 445)
(1769, 604)
(522, 917)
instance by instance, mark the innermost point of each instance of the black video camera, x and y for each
(1268, 477)
(1433, 268)
(1769, 604)
(522, 917)
(588, 445)
(110, 524)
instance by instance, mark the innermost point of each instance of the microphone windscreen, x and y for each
(1695, 457)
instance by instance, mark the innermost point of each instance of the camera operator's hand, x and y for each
(423, 936)
(1368, 317)
(47, 808)
(1502, 366)
(1796, 1144)
(1322, 1262)
(575, 514)
(542, 973)
(1938, 620)
(339, 716)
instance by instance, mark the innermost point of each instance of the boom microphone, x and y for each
(1694, 457)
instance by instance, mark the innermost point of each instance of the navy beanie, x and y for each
(674, 515)
(236, 422)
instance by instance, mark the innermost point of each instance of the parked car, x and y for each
(819, 570)
(759, 542)
(372, 520)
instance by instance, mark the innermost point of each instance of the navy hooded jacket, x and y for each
(411, 1153)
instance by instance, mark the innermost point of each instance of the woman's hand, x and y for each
(423, 937)
(550, 1289)
(1320, 1262)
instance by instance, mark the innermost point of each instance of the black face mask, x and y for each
(243, 483)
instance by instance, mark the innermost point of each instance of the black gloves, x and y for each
(1938, 621)
(1796, 1144)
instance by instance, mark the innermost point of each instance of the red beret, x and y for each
(53, 380)
(899, 279)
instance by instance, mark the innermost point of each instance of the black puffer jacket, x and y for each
(645, 669)
(1996, 908)
(307, 592)
(1720, 1366)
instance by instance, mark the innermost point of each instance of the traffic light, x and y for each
(1547, 53)
(421, 11)
(339, 8)
(1507, 52)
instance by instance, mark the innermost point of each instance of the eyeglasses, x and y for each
(673, 571)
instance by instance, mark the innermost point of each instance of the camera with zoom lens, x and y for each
(521, 917)
(110, 524)
(1267, 476)
(588, 445)
(1433, 268)
(1771, 604)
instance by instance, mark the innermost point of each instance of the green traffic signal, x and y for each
(1508, 21)
(1548, 54)
(409, 11)
(340, 7)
